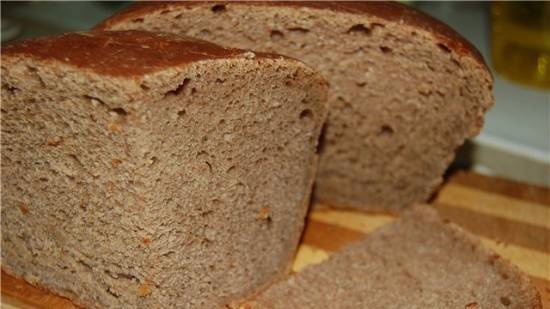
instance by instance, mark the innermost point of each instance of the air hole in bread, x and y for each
(218, 8)
(153, 161)
(119, 111)
(220, 81)
(306, 114)
(228, 137)
(231, 169)
(216, 201)
(181, 113)
(359, 29)
(458, 65)
(112, 292)
(322, 141)
(85, 265)
(360, 84)
(34, 73)
(505, 301)
(209, 166)
(298, 30)
(386, 130)
(424, 90)
(144, 87)
(179, 89)
(276, 35)
(137, 20)
(95, 101)
(221, 122)
(385, 49)
(165, 12)
(10, 88)
(443, 47)
(201, 155)
(413, 33)
(347, 107)
(376, 25)
(204, 33)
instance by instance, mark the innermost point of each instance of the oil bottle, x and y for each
(521, 41)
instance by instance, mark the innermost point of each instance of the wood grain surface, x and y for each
(511, 218)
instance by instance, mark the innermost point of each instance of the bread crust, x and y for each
(391, 11)
(115, 53)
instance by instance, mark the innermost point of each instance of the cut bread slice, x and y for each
(419, 261)
(405, 89)
(143, 170)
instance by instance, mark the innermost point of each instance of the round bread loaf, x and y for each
(405, 89)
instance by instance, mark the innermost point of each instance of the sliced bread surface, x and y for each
(143, 170)
(419, 261)
(405, 89)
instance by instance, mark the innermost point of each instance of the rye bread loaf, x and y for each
(405, 89)
(419, 261)
(143, 170)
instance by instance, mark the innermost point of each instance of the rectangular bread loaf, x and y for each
(143, 170)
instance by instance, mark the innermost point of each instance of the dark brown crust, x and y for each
(122, 53)
(391, 11)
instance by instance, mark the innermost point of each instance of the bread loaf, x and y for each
(419, 261)
(405, 89)
(146, 171)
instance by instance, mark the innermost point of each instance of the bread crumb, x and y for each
(115, 128)
(24, 208)
(492, 258)
(473, 305)
(249, 55)
(116, 162)
(143, 289)
(54, 141)
(146, 240)
(263, 214)
(110, 187)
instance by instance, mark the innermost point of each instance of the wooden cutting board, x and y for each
(511, 218)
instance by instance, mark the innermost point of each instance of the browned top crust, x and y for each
(391, 11)
(121, 53)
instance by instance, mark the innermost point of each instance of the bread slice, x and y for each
(148, 171)
(419, 261)
(405, 89)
